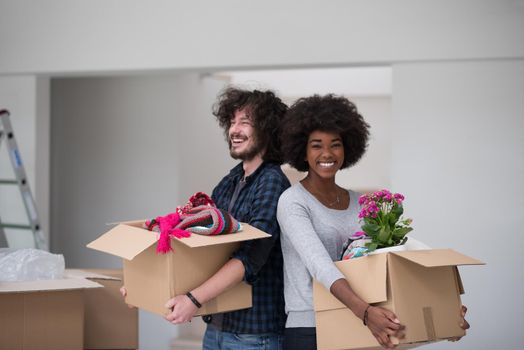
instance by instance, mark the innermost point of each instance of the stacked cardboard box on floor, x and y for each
(108, 322)
(421, 287)
(151, 278)
(43, 315)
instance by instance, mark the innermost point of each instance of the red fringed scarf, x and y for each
(198, 215)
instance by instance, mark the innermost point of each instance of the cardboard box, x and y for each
(43, 315)
(421, 287)
(108, 322)
(151, 279)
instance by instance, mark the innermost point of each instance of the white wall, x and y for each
(27, 100)
(61, 36)
(372, 172)
(457, 156)
(129, 148)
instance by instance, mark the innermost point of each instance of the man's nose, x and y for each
(233, 129)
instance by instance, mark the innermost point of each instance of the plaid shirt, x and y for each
(256, 205)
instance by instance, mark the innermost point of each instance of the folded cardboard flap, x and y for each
(458, 280)
(367, 276)
(127, 240)
(95, 274)
(437, 257)
(47, 285)
(246, 233)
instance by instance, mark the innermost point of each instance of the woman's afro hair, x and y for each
(329, 113)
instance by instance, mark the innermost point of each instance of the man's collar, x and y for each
(238, 172)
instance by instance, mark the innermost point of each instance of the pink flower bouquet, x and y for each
(381, 216)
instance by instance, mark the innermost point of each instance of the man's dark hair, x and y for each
(327, 113)
(266, 111)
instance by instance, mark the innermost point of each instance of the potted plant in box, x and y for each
(382, 224)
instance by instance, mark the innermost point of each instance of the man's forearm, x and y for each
(228, 276)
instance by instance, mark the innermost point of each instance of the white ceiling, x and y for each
(359, 81)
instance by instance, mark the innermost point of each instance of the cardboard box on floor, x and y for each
(44, 315)
(108, 322)
(421, 287)
(151, 279)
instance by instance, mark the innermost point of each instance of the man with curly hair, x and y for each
(250, 192)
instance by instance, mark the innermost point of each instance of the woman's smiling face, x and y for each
(324, 153)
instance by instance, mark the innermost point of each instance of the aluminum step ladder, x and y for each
(6, 133)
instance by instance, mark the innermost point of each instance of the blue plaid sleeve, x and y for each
(265, 194)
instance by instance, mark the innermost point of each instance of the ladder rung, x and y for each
(8, 182)
(17, 226)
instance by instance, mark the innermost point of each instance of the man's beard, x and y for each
(247, 154)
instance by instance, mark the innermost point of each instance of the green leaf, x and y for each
(400, 232)
(371, 228)
(371, 246)
(384, 234)
(372, 221)
(396, 212)
(392, 221)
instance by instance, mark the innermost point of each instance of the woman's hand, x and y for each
(462, 323)
(382, 323)
(384, 326)
(182, 309)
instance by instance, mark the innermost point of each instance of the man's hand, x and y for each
(182, 309)
(123, 291)
(463, 323)
(385, 327)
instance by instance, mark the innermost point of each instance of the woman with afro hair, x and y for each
(322, 135)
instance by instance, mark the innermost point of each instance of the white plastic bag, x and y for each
(30, 264)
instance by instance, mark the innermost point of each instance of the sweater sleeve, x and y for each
(298, 234)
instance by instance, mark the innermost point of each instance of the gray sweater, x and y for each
(312, 237)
